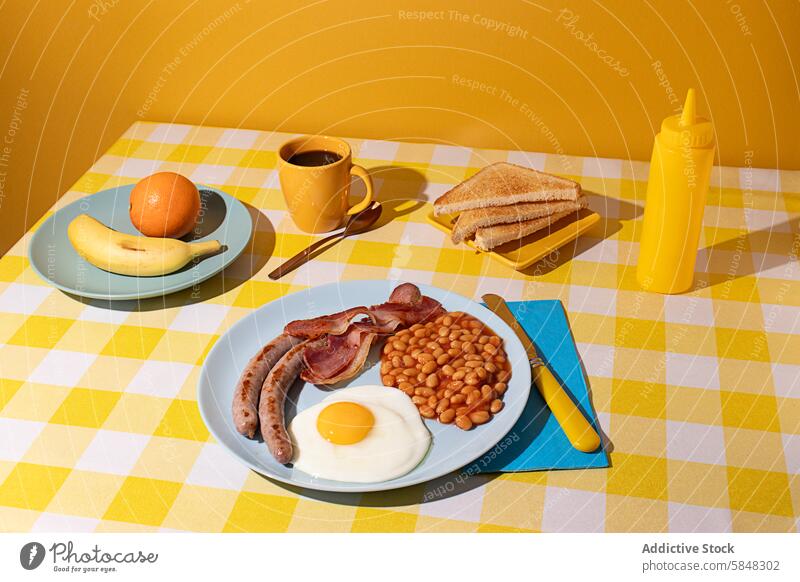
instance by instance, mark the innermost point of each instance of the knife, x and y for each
(578, 430)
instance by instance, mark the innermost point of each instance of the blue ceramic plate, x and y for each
(451, 447)
(54, 259)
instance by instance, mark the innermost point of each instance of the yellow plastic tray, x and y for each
(520, 254)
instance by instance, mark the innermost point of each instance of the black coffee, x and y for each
(314, 158)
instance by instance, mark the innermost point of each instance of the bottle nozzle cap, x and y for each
(687, 129)
(687, 117)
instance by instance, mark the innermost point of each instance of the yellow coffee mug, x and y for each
(315, 175)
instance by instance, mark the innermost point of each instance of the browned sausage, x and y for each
(245, 397)
(270, 407)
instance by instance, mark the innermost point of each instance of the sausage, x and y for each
(273, 396)
(245, 397)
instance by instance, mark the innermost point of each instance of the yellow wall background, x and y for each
(578, 76)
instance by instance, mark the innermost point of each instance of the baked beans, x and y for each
(454, 369)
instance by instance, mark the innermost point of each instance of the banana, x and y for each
(129, 254)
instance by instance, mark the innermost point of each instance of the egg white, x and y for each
(396, 444)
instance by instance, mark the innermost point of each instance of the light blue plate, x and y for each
(54, 259)
(451, 448)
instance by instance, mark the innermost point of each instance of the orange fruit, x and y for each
(165, 204)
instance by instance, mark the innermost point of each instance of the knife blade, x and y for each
(579, 431)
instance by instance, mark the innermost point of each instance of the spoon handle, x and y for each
(301, 257)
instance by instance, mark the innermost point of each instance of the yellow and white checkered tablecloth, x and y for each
(699, 393)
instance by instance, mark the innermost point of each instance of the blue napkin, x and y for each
(537, 442)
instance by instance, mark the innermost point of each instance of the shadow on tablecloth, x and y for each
(256, 254)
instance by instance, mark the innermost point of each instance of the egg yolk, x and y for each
(344, 423)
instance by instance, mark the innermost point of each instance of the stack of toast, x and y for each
(505, 202)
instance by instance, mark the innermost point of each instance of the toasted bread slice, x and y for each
(492, 236)
(502, 184)
(470, 221)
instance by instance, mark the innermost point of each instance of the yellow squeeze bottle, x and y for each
(680, 169)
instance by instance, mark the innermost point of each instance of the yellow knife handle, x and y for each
(578, 430)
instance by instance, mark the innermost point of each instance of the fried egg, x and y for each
(363, 434)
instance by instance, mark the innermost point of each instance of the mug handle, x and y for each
(360, 172)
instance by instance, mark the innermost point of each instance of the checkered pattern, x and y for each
(699, 393)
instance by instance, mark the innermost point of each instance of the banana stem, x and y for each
(204, 248)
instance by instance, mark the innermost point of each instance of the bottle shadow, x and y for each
(725, 261)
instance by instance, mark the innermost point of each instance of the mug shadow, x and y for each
(614, 213)
(727, 260)
(253, 258)
(400, 191)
